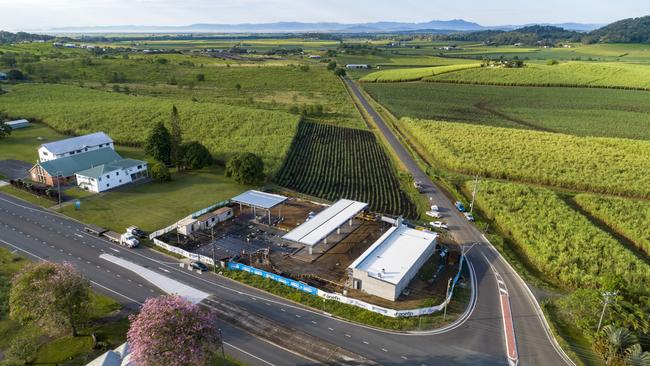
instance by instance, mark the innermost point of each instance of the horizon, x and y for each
(44, 15)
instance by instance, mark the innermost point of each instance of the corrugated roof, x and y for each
(76, 143)
(97, 171)
(259, 199)
(70, 165)
(323, 224)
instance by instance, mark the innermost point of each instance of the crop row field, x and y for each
(569, 74)
(595, 164)
(335, 162)
(274, 84)
(575, 111)
(414, 74)
(223, 129)
(559, 241)
(628, 217)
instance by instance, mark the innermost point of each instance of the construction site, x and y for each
(331, 247)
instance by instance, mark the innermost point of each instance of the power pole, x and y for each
(447, 299)
(58, 186)
(214, 257)
(476, 183)
(608, 296)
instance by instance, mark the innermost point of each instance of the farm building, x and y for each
(208, 220)
(357, 66)
(113, 174)
(314, 57)
(260, 201)
(391, 262)
(74, 145)
(20, 123)
(317, 229)
(63, 170)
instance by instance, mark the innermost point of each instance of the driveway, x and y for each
(14, 169)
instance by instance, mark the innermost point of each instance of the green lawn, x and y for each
(154, 205)
(23, 143)
(576, 111)
(27, 196)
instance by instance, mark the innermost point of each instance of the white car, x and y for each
(434, 208)
(439, 225)
(434, 214)
(468, 216)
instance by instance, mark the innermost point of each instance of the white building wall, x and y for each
(111, 179)
(377, 287)
(45, 155)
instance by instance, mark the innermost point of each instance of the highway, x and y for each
(534, 344)
(477, 339)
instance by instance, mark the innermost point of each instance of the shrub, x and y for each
(160, 172)
(195, 156)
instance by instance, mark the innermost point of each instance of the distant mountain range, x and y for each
(442, 26)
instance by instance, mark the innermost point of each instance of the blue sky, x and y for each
(43, 14)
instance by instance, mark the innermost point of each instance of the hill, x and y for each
(632, 30)
(530, 35)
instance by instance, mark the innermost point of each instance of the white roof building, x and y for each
(326, 222)
(74, 145)
(390, 263)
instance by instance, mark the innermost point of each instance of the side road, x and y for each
(534, 341)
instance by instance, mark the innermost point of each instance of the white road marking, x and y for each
(347, 335)
(384, 349)
(330, 329)
(365, 342)
(115, 250)
(164, 270)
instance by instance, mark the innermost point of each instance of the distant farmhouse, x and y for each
(90, 161)
(357, 66)
(75, 145)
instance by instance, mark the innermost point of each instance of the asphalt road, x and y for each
(534, 344)
(477, 339)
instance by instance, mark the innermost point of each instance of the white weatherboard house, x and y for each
(75, 145)
(110, 175)
(390, 263)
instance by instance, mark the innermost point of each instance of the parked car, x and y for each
(468, 216)
(459, 205)
(439, 225)
(199, 266)
(419, 186)
(435, 208)
(137, 232)
(434, 214)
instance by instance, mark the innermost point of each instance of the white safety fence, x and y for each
(314, 291)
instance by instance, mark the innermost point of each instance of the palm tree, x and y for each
(617, 339)
(635, 356)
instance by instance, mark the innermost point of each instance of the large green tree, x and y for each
(194, 156)
(5, 130)
(176, 138)
(245, 168)
(158, 143)
(53, 296)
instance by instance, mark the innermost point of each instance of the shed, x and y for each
(259, 201)
(187, 226)
(19, 123)
(208, 220)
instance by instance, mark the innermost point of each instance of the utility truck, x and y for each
(126, 239)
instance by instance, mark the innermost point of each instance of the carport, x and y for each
(260, 201)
